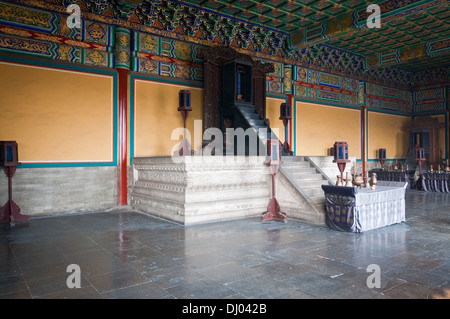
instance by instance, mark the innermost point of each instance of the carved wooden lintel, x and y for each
(214, 58)
(220, 54)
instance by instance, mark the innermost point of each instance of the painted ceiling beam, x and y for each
(352, 23)
(405, 55)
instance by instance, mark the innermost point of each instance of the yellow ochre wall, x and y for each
(156, 116)
(319, 126)
(387, 131)
(273, 114)
(56, 115)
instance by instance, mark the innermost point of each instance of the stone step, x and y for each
(300, 170)
(294, 159)
(255, 122)
(306, 184)
(307, 177)
(313, 192)
(246, 108)
(293, 165)
(251, 115)
(318, 199)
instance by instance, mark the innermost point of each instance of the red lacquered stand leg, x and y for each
(10, 213)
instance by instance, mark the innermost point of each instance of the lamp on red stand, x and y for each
(382, 156)
(341, 156)
(10, 213)
(285, 116)
(420, 157)
(273, 159)
(184, 108)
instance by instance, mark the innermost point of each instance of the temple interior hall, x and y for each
(224, 149)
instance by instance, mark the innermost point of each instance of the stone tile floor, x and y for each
(125, 254)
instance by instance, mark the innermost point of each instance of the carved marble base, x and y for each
(200, 189)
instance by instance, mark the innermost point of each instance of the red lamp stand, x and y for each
(10, 212)
(273, 153)
(184, 108)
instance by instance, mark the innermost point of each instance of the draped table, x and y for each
(435, 182)
(356, 210)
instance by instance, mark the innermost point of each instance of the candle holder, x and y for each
(285, 116)
(367, 180)
(348, 180)
(374, 181)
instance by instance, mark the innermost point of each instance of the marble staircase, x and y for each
(263, 131)
(307, 179)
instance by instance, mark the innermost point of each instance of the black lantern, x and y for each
(9, 159)
(341, 156)
(341, 152)
(9, 153)
(420, 156)
(285, 111)
(184, 106)
(285, 116)
(273, 154)
(382, 156)
(185, 100)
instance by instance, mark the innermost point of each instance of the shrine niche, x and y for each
(232, 78)
(424, 132)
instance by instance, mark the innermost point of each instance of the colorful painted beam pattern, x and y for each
(320, 86)
(54, 24)
(432, 100)
(56, 51)
(388, 99)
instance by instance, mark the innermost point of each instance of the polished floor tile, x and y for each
(123, 254)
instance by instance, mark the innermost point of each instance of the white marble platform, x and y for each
(200, 189)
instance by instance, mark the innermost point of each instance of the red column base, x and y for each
(10, 213)
(288, 148)
(274, 213)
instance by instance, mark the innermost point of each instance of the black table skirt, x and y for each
(435, 182)
(407, 176)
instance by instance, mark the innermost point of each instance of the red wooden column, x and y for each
(122, 60)
(363, 156)
(448, 131)
(289, 137)
(122, 136)
(362, 103)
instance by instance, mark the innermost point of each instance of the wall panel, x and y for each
(58, 116)
(318, 126)
(155, 116)
(387, 131)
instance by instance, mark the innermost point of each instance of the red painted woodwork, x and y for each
(289, 96)
(363, 155)
(122, 142)
(10, 213)
(273, 212)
